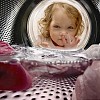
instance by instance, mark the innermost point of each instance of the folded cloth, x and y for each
(93, 52)
(13, 76)
(87, 86)
(5, 48)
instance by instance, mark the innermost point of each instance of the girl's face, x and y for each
(62, 27)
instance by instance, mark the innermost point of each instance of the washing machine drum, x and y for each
(26, 29)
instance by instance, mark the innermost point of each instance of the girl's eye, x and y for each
(56, 26)
(70, 27)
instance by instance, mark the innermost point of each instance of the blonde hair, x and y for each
(70, 11)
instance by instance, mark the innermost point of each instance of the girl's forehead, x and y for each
(60, 11)
(69, 10)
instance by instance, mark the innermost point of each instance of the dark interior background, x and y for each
(13, 12)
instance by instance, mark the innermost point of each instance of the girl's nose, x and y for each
(63, 33)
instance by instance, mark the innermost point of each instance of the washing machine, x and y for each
(18, 22)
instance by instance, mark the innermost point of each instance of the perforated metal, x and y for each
(45, 88)
(97, 4)
(8, 12)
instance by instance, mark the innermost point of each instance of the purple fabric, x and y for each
(5, 48)
(88, 85)
(13, 75)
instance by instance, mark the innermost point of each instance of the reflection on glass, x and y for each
(59, 25)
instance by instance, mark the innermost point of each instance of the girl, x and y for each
(60, 27)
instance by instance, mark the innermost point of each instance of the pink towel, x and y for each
(13, 76)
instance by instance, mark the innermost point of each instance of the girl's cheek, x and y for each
(71, 36)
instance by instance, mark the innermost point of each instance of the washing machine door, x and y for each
(26, 29)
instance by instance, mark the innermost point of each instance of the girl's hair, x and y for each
(70, 11)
